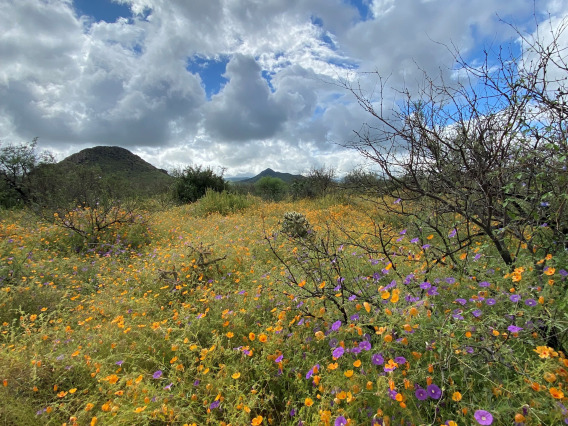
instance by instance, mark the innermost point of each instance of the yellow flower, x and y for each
(89, 406)
(556, 393)
(348, 373)
(139, 409)
(236, 375)
(544, 351)
(229, 334)
(456, 396)
(309, 402)
(252, 336)
(550, 377)
(112, 379)
(257, 420)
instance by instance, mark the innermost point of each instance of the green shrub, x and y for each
(223, 203)
(193, 182)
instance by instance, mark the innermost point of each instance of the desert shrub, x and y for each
(17, 166)
(432, 344)
(271, 188)
(224, 203)
(193, 182)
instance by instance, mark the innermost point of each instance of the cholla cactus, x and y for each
(295, 225)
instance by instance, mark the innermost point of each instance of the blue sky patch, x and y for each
(102, 10)
(211, 72)
(362, 7)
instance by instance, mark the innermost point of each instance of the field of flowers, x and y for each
(241, 320)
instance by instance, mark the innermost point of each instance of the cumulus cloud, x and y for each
(76, 81)
(245, 109)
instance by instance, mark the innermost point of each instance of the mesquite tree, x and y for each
(486, 150)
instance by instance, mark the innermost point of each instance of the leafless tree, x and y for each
(485, 150)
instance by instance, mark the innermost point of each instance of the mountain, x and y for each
(286, 177)
(121, 164)
(112, 159)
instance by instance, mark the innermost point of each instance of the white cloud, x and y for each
(74, 82)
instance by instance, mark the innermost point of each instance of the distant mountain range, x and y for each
(286, 177)
(133, 171)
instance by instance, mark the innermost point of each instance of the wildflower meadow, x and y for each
(309, 312)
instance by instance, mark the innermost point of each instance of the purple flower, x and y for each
(514, 298)
(530, 302)
(421, 394)
(157, 374)
(425, 285)
(461, 301)
(168, 387)
(340, 421)
(310, 373)
(484, 284)
(215, 404)
(336, 325)
(338, 352)
(414, 240)
(277, 360)
(433, 291)
(434, 391)
(365, 345)
(490, 301)
(477, 313)
(119, 363)
(483, 417)
(400, 360)
(377, 359)
(426, 246)
(514, 328)
(450, 280)
(453, 233)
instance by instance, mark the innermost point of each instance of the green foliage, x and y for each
(17, 164)
(318, 182)
(193, 182)
(224, 203)
(271, 188)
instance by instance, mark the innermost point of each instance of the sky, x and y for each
(234, 85)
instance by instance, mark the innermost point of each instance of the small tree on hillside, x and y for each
(193, 182)
(317, 183)
(487, 152)
(271, 188)
(17, 164)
